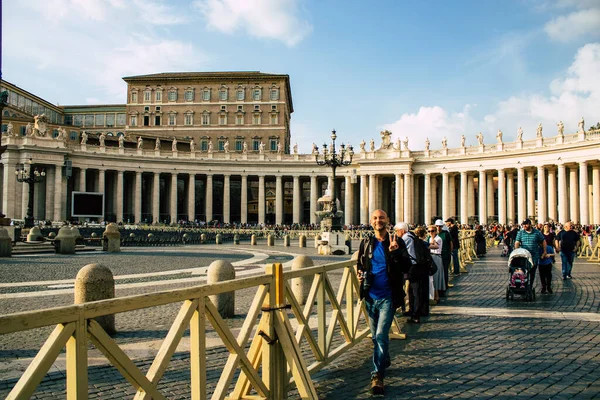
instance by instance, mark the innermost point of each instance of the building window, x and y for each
(274, 94)
(147, 96)
(134, 97)
(255, 144)
(100, 119)
(172, 95)
(189, 119)
(221, 144)
(159, 96)
(240, 108)
(256, 95)
(110, 120)
(157, 120)
(239, 119)
(240, 95)
(55, 133)
(206, 95)
(223, 95)
(223, 119)
(206, 119)
(189, 95)
(239, 145)
(146, 109)
(73, 135)
(204, 145)
(256, 119)
(133, 120)
(121, 119)
(171, 119)
(146, 120)
(89, 120)
(273, 144)
(274, 119)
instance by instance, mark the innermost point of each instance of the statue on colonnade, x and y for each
(84, 137)
(385, 139)
(581, 125)
(539, 130)
(561, 128)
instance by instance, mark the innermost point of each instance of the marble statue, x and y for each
(385, 139)
(372, 145)
(157, 144)
(192, 146)
(427, 144)
(362, 145)
(405, 143)
(140, 142)
(84, 137)
(315, 149)
(561, 128)
(520, 134)
(279, 148)
(210, 146)
(10, 130)
(40, 124)
(226, 146)
(261, 148)
(121, 141)
(581, 125)
(499, 136)
(444, 143)
(538, 131)
(296, 148)
(174, 144)
(397, 144)
(462, 140)
(245, 148)
(102, 138)
(63, 133)
(29, 129)
(480, 138)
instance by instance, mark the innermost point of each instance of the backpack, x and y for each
(423, 256)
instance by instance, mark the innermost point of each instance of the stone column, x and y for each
(364, 201)
(434, 195)
(209, 198)
(521, 195)
(137, 193)
(464, 213)
(348, 206)
(119, 196)
(156, 198)
(24, 199)
(596, 194)
(445, 213)
(49, 192)
(191, 197)
(552, 206)
(490, 195)
(102, 181)
(482, 197)
(227, 199)
(279, 200)
(372, 193)
(452, 196)
(584, 211)
(244, 200)
(314, 196)
(427, 197)
(261, 199)
(297, 200)
(530, 195)
(59, 214)
(330, 186)
(562, 194)
(541, 184)
(501, 197)
(510, 198)
(471, 194)
(408, 196)
(82, 175)
(398, 196)
(573, 195)
(173, 198)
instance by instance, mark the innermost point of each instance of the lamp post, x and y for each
(30, 175)
(333, 159)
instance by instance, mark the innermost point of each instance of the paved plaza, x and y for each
(475, 344)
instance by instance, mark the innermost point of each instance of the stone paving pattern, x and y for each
(450, 355)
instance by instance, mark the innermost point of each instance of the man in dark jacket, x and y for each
(380, 276)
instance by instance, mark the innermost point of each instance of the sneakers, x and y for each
(376, 384)
(569, 277)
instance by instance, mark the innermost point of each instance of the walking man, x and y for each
(533, 241)
(455, 244)
(380, 276)
(567, 242)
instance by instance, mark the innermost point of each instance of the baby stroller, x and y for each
(519, 272)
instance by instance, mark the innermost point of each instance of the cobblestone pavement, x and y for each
(475, 344)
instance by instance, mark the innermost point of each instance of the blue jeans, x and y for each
(567, 258)
(455, 261)
(381, 316)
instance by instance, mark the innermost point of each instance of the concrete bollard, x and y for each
(35, 235)
(286, 241)
(270, 240)
(185, 238)
(64, 242)
(236, 239)
(219, 239)
(5, 243)
(253, 240)
(112, 238)
(77, 235)
(52, 235)
(301, 286)
(348, 242)
(219, 271)
(302, 241)
(95, 282)
(317, 240)
(203, 238)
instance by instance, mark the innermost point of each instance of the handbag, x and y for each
(433, 268)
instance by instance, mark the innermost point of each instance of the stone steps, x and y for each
(44, 247)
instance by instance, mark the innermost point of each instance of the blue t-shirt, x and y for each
(380, 287)
(547, 261)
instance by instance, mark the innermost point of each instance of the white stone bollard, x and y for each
(34, 235)
(317, 240)
(302, 241)
(96, 282)
(301, 286)
(236, 239)
(253, 240)
(5, 243)
(64, 243)
(112, 238)
(286, 241)
(270, 240)
(219, 271)
(219, 239)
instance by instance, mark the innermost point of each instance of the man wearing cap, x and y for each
(533, 241)
(444, 234)
(455, 244)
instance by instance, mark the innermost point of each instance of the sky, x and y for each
(427, 69)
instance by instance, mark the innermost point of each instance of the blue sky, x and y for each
(419, 69)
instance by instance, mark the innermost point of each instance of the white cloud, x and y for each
(270, 19)
(575, 95)
(158, 13)
(574, 25)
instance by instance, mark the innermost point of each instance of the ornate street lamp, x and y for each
(333, 159)
(30, 175)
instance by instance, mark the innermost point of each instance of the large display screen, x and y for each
(87, 204)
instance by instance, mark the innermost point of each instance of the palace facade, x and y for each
(216, 146)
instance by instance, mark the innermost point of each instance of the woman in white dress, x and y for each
(435, 247)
